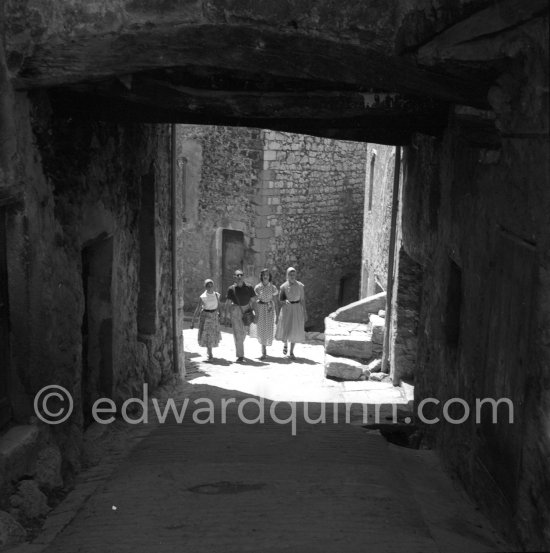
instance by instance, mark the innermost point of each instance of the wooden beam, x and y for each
(374, 125)
(264, 52)
(313, 104)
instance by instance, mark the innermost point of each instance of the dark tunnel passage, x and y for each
(110, 122)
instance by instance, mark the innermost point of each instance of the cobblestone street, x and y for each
(234, 487)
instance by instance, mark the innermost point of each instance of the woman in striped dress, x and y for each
(208, 310)
(266, 313)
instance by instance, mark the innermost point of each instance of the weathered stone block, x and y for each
(48, 468)
(266, 232)
(17, 448)
(378, 328)
(338, 328)
(262, 210)
(375, 366)
(346, 369)
(359, 311)
(11, 532)
(267, 174)
(348, 346)
(29, 502)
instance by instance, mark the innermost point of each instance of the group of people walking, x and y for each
(263, 312)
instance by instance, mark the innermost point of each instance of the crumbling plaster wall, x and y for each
(80, 180)
(475, 217)
(380, 166)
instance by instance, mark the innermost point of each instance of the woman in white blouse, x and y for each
(208, 311)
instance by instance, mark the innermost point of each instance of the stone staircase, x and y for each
(354, 336)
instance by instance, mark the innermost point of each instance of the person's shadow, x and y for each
(302, 361)
(219, 362)
(253, 363)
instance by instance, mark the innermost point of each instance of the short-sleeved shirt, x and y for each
(209, 301)
(240, 295)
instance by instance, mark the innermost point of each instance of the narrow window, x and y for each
(371, 178)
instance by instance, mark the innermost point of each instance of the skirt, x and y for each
(209, 329)
(291, 323)
(264, 327)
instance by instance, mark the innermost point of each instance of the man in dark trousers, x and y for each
(240, 298)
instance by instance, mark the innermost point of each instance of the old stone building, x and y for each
(380, 166)
(85, 244)
(258, 198)
(91, 282)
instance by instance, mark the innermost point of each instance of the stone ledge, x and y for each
(346, 369)
(349, 346)
(338, 328)
(359, 311)
(17, 450)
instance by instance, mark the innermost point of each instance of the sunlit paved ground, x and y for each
(278, 378)
(230, 486)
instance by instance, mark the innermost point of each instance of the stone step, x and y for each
(346, 369)
(359, 311)
(339, 328)
(351, 369)
(355, 340)
(357, 347)
(373, 330)
(377, 326)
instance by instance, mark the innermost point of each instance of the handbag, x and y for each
(248, 316)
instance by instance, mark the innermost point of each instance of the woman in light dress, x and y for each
(208, 311)
(293, 315)
(266, 312)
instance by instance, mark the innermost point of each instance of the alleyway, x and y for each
(237, 487)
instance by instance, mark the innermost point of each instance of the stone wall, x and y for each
(297, 200)
(314, 191)
(475, 218)
(73, 232)
(380, 166)
(219, 171)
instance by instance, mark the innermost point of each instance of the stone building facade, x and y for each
(85, 240)
(259, 198)
(380, 165)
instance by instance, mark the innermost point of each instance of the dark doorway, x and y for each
(5, 408)
(97, 324)
(349, 290)
(232, 256)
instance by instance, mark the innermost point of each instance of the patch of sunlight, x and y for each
(277, 378)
